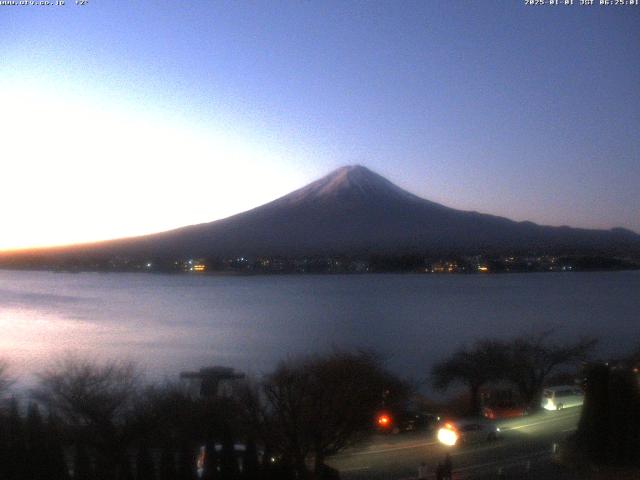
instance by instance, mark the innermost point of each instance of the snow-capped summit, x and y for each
(349, 181)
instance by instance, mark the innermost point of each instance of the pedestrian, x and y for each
(440, 472)
(447, 467)
(422, 471)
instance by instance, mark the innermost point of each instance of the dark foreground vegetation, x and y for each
(526, 362)
(607, 442)
(89, 420)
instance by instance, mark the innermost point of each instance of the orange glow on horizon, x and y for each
(27, 248)
(110, 170)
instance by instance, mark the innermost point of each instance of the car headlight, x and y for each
(447, 436)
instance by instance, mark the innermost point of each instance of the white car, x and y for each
(563, 396)
(467, 431)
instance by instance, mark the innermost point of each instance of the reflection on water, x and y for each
(31, 338)
(171, 323)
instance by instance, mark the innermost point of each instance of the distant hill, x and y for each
(354, 211)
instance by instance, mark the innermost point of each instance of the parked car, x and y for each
(405, 421)
(411, 421)
(563, 396)
(467, 431)
(504, 410)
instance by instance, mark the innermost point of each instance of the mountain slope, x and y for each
(356, 211)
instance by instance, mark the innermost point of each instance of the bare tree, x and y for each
(87, 393)
(96, 400)
(319, 405)
(473, 367)
(533, 358)
(168, 408)
(5, 379)
(633, 360)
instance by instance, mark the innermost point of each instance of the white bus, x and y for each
(563, 396)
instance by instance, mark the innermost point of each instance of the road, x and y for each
(396, 457)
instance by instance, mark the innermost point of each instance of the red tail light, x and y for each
(384, 420)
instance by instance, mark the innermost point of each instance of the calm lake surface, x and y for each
(170, 323)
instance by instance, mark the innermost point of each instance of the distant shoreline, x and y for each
(434, 263)
(292, 273)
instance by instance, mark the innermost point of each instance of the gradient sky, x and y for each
(123, 118)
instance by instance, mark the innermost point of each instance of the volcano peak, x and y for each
(354, 181)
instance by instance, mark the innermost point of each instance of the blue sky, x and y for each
(123, 118)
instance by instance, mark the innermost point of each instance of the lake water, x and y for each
(170, 323)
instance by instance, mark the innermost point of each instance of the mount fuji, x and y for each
(355, 211)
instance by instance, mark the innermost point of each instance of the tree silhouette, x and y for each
(5, 379)
(16, 444)
(633, 360)
(82, 465)
(97, 401)
(145, 469)
(609, 427)
(319, 405)
(57, 468)
(211, 461)
(250, 465)
(473, 367)
(228, 458)
(186, 462)
(4, 447)
(37, 466)
(526, 361)
(167, 463)
(532, 359)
